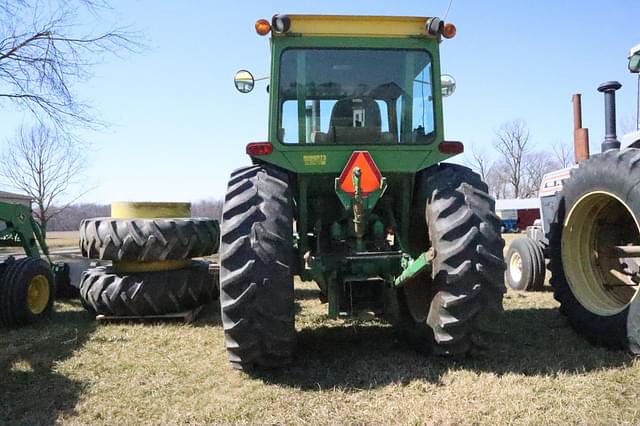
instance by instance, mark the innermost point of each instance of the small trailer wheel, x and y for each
(525, 265)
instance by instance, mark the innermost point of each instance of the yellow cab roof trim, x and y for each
(350, 26)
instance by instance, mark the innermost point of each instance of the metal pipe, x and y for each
(577, 111)
(629, 280)
(610, 138)
(580, 134)
(625, 251)
(638, 105)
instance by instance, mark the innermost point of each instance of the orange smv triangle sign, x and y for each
(370, 177)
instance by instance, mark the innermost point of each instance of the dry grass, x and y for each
(62, 239)
(55, 240)
(73, 371)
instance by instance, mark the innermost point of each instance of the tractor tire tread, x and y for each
(105, 292)
(256, 282)
(468, 267)
(148, 240)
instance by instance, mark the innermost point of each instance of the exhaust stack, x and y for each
(610, 138)
(580, 134)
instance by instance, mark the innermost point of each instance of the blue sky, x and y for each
(179, 127)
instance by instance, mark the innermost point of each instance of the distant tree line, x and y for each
(69, 219)
(207, 208)
(516, 168)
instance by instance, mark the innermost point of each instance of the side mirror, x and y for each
(634, 62)
(244, 81)
(447, 84)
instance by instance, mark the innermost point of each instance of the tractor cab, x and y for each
(368, 82)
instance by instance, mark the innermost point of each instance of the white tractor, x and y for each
(589, 234)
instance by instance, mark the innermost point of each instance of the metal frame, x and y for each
(19, 221)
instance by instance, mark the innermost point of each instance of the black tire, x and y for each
(148, 239)
(256, 282)
(530, 274)
(541, 267)
(105, 292)
(19, 275)
(452, 311)
(613, 172)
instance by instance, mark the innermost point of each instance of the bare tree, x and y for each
(513, 144)
(535, 166)
(497, 181)
(211, 208)
(479, 162)
(628, 123)
(43, 164)
(517, 172)
(44, 50)
(563, 154)
(75, 213)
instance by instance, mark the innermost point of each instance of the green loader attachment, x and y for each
(27, 284)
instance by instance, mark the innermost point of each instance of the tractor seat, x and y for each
(355, 120)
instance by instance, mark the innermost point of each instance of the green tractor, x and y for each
(351, 191)
(28, 284)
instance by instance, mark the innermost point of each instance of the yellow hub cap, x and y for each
(600, 280)
(38, 294)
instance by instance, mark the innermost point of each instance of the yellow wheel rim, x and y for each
(131, 267)
(38, 294)
(149, 210)
(600, 281)
(515, 267)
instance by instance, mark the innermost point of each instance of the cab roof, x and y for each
(354, 26)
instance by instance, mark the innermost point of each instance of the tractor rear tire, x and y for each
(103, 291)
(525, 265)
(27, 291)
(256, 280)
(599, 207)
(148, 240)
(453, 311)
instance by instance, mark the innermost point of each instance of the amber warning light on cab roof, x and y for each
(263, 27)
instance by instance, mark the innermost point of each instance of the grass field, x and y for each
(55, 240)
(73, 371)
(62, 239)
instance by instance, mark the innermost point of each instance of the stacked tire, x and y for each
(153, 269)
